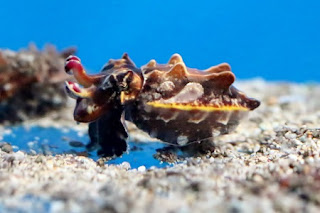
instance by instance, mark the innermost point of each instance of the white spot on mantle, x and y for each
(190, 93)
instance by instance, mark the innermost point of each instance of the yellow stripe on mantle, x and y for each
(189, 107)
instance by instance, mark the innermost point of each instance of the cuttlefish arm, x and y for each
(109, 133)
(106, 129)
(74, 67)
(74, 90)
(98, 102)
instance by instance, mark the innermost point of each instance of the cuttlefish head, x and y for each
(117, 84)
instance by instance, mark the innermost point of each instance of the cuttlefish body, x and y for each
(171, 102)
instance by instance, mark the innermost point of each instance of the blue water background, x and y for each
(274, 39)
(52, 141)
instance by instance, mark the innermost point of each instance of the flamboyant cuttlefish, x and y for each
(171, 102)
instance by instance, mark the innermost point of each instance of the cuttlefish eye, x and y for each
(124, 79)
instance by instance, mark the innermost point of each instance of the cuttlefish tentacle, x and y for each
(73, 66)
(75, 91)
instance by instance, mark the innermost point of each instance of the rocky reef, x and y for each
(31, 82)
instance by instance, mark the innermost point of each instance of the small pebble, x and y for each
(7, 148)
(101, 162)
(49, 164)
(142, 169)
(290, 135)
(40, 159)
(125, 165)
(19, 155)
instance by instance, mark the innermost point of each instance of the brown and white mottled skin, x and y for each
(180, 105)
(171, 102)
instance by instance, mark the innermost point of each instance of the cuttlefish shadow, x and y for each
(160, 151)
(172, 154)
(38, 140)
(110, 141)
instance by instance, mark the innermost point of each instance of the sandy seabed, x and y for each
(271, 163)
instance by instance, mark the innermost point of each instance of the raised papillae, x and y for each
(171, 102)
